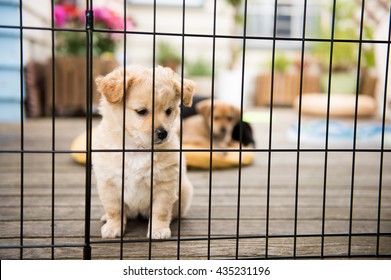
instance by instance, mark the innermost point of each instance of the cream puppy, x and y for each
(138, 136)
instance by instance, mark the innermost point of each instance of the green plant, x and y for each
(281, 62)
(167, 54)
(236, 4)
(198, 68)
(346, 27)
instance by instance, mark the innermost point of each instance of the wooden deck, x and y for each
(69, 201)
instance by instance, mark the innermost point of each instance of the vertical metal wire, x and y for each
(270, 131)
(384, 110)
(241, 130)
(89, 56)
(180, 132)
(124, 89)
(153, 127)
(211, 140)
(327, 129)
(355, 130)
(21, 232)
(53, 127)
(299, 128)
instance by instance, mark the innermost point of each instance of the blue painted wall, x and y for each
(10, 65)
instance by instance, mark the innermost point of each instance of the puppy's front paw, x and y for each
(162, 233)
(110, 231)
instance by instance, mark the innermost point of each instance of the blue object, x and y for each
(10, 64)
(341, 134)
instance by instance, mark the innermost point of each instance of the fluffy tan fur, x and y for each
(139, 135)
(197, 128)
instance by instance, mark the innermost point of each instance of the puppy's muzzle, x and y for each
(223, 130)
(220, 132)
(160, 135)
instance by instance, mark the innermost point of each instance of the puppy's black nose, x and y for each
(161, 133)
(223, 129)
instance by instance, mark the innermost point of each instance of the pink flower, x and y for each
(60, 16)
(101, 14)
(64, 13)
(69, 16)
(111, 19)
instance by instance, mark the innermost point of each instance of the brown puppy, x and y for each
(140, 115)
(197, 128)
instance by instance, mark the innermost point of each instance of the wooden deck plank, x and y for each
(219, 227)
(69, 201)
(248, 248)
(42, 213)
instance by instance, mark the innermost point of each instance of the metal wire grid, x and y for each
(90, 29)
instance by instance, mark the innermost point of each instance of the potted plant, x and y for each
(200, 71)
(168, 56)
(262, 94)
(70, 60)
(282, 87)
(345, 54)
(74, 43)
(286, 81)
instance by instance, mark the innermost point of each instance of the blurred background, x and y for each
(213, 47)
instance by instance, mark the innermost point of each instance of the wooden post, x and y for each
(286, 88)
(70, 84)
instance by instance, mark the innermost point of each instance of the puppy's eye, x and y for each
(142, 112)
(230, 119)
(217, 118)
(168, 111)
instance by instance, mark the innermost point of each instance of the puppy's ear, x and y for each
(189, 88)
(236, 113)
(203, 107)
(112, 85)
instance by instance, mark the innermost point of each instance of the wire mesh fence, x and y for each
(297, 200)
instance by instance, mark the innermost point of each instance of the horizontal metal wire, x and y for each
(188, 239)
(257, 150)
(217, 36)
